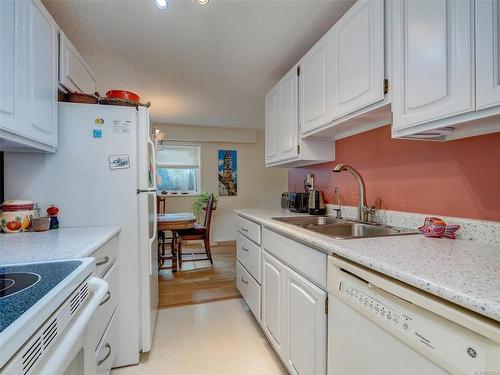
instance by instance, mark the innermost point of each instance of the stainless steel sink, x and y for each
(343, 229)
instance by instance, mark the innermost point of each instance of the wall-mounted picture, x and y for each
(228, 173)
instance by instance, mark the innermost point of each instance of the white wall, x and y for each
(258, 186)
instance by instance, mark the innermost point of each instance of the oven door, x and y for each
(73, 355)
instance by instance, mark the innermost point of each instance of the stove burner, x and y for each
(15, 282)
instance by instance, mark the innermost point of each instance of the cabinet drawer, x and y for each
(105, 256)
(108, 347)
(249, 229)
(307, 261)
(249, 289)
(105, 310)
(249, 255)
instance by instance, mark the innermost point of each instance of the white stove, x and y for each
(45, 308)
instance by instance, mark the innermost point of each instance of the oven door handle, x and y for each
(75, 338)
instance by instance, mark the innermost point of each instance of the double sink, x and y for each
(343, 229)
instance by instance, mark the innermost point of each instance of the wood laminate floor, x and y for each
(199, 282)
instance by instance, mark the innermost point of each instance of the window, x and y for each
(178, 168)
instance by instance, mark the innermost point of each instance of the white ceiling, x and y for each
(209, 65)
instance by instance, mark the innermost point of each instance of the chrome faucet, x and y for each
(363, 211)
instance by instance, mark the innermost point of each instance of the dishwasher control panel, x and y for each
(376, 307)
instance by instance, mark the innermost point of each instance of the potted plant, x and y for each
(201, 202)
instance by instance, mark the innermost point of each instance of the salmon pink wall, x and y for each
(457, 178)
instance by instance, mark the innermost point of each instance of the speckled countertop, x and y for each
(62, 243)
(464, 272)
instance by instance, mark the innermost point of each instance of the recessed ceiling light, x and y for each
(162, 4)
(201, 2)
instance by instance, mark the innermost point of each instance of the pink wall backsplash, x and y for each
(457, 178)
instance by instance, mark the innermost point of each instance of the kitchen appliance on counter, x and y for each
(316, 204)
(295, 202)
(46, 308)
(401, 330)
(103, 173)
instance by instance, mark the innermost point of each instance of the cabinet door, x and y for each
(305, 326)
(11, 66)
(74, 73)
(42, 74)
(288, 123)
(432, 61)
(272, 125)
(314, 87)
(358, 58)
(273, 276)
(487, 53)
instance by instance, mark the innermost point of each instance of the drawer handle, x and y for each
(244, 229)
(100, 362)
(106, 299)
(102, 261)
(244, 248)
(244, 281)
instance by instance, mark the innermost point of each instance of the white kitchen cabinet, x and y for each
(272, 320)
(487, 53)
(74, 72)
(272, 125)
(294, 317)
(305, 326)
(284, 147)
(42, 75)
(11, 66)
(357, 63)
(433, 60)
(288, 116)
(315, 86)
(28, 103)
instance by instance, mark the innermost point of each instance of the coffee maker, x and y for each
(316, 200)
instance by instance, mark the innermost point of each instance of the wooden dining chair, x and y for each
(197, 233)
(162, 237)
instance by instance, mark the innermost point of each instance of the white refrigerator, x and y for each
(103, 173)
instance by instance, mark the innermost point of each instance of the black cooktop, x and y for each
(16, 282)
(23, 285)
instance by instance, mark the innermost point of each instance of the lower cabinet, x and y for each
(249, 289)
(294, 317)
(273, 322)
(305, 325)
(106, 351)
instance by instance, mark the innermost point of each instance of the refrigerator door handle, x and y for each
(139, 191)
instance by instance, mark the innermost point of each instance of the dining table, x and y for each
(172, 222)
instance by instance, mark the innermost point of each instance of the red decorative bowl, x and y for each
(122, 94)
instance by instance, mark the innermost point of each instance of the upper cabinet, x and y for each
(288, 116)
(357, 65)
(41, 74)
(446, 69)
(12, 68)
(283, 145)
(487, 53)
(34, 62)
(74, 73)
(315, 88)
(28, 74)
(337, 89)
(433, 60)
(343, 77)
(272, 125)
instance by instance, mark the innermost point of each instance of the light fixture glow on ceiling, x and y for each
(201, 2)
(162, 4)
